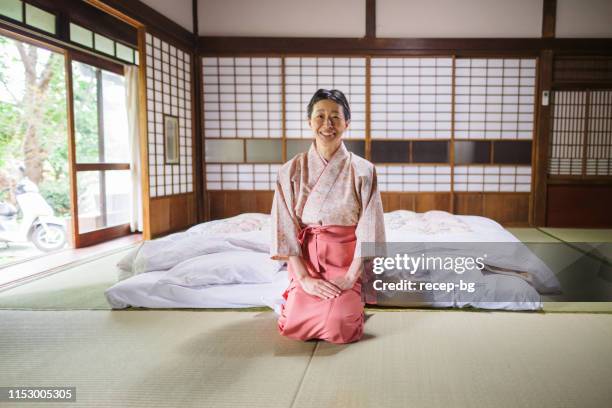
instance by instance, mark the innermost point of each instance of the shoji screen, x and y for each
(242, 122)
(249, 132)
(303, 76)
(168, 96)
(494, 124)
(599, 136)
(413, 178)
(494, 98)
(493, 178)
(242, 97)
(411, 98)
(581, 141)
(411, 122)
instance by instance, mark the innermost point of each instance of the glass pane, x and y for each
(81, 35)
(11, 9)
(104, 44)
(125, 53)
(85, 94)
(472, 152)
(390, 151)
(101, 136)
(429, 152)
(34, 161)
(103, 199)
(116, 134)
(512, 152)
(89, 203)
(40, 19)
(296, 146)
(264, 151)
(356, 146)
(118, 186)
(223, 151)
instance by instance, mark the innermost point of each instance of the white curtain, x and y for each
(131, 95)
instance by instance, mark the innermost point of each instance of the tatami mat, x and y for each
(580, 234)
(82, 286)
(577, 307)
(597, 243)
(436, 359)
(230, 359)
(153, 358)
(531, 235)
(74, 287)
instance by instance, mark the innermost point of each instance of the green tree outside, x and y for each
(33, 120)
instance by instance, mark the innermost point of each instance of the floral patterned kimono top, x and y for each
(313, 191)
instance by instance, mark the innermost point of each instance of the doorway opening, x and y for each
(35, 205)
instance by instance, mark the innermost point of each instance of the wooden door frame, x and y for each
(106, 233)
(70, 54)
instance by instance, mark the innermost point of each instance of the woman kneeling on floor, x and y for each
(326, 204)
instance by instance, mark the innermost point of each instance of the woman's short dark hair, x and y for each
(333, 95)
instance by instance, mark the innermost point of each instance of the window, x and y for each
(102, 149)
(40, 19)
(103, 44)
(12, 9)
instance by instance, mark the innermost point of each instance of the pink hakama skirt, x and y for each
(328, 252)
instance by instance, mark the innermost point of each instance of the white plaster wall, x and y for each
(395, 18)
(179, 11)
(584, 18)
(459, 19)
(282, 18)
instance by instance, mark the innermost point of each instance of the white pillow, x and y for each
(161, 255)
(223, 268)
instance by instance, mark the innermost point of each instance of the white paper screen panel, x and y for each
(568, 122)
(411, 98)
(303, 76)
(242, 97)
(414, 178)
(492, 178)
(494, 98)
(573, 134)
(168, 76)
(241, 176)
(599, 144)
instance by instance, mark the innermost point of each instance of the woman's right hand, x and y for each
(319, 287)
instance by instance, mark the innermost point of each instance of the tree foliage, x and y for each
(42, 141)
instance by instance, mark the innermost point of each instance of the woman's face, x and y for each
(327, 122)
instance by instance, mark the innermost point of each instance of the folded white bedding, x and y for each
(223, 268)
(158, 255)
(187, 269)
(143, 291)
(516, 258)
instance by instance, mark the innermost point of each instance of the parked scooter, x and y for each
(39, 223)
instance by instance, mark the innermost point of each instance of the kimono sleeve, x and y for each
(371, 225)
(284, 227)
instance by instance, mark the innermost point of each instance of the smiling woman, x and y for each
(329, 116)
(326, 204)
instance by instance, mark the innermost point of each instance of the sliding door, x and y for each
(101, 153)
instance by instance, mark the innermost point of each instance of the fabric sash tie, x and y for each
(326, 233)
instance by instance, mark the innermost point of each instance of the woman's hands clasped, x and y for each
(319, 287)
